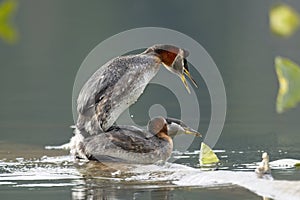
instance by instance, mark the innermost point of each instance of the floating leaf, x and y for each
(207, 156)
(284, 20)
(288, 74)
(7, 31)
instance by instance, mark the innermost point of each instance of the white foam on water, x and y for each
(219, 151)
(46, 185)
(46, 168)
(62, 168)
(7, 183)
(38, 174)
(284, 163)
(184, 176)
(179, 157)
(63, 146)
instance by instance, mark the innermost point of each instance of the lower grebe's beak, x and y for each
(176, 126)
(191, 132)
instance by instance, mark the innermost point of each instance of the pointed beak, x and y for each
(186, 72)
(191, 132)
(176, 126)
(185, 83)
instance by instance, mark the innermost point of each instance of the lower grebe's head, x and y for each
(157, 125)
(174, 59)
(170, 127)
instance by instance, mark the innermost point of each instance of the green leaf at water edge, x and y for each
(207, 156)
(288, 74)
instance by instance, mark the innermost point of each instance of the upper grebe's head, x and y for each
(174, 59)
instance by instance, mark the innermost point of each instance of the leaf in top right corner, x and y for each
(284, 20)
(288, 74)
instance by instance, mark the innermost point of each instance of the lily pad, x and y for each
(288, 74)
(207, 156)
(284, 20)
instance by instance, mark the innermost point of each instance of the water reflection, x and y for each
(93, 180)
(94, 190)
(108, 181)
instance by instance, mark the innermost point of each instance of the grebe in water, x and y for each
(135, 145)
(112, 89)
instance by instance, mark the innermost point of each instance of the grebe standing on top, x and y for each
(116, 86)
(120, 82)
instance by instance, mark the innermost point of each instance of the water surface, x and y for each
(55, 174)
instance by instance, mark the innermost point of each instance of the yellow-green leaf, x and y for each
(284, 20)
(7, 31)
(207, 156)
(288, 74)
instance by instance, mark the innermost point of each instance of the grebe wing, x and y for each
(132, 140)
(132, 144)
(131, 130)
(114, 87)
(96, 87)
(120, 138)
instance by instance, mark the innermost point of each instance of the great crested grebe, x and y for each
(135, 145)
(112, 89)
(120, 82)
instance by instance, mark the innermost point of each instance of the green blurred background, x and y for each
(38, 71)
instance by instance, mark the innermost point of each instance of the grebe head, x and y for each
(174, 59)
(157, 125)
(170, 127)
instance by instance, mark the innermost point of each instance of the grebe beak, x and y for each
(176, 126)
(186, 72)
(182, 77)
(192, 132)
